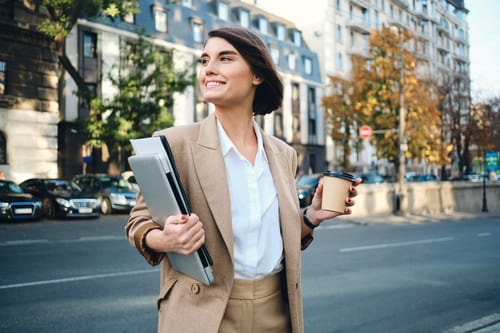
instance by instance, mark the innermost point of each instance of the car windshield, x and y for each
(115, 182)
(9, 187)
(55, 185)
(307, 181)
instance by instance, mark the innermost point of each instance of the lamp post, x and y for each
(403, 146)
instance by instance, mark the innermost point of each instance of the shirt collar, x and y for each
(226, 143)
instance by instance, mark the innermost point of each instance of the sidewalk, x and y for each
(416, 219)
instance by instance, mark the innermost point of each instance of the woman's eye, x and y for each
(204, 61)
(225, 59)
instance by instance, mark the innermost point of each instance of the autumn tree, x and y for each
(391, 84)
(343, 109)
(146, 81)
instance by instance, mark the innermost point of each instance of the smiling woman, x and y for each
(240, 182)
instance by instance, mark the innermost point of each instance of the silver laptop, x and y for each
(164, 197)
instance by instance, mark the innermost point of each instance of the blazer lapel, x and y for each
(211, 171)
(280, 169)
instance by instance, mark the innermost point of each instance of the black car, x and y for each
(116, 194)
(306, 186)
(371, 178)
(17, 205)
(62, 198)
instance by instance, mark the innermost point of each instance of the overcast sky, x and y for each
(484, 32)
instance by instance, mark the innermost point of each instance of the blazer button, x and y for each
(195, 288)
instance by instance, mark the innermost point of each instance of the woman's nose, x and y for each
(210, 67)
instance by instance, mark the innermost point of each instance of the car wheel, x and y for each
(48, 208)
(106, 206)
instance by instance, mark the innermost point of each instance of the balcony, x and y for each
(397, 23)
(461, 58)
(402, 3)
(361, 3)
(358, 52)
(443, 47)
(359, 25)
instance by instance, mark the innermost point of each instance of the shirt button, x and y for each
(195, 288)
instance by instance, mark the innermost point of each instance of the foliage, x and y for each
(372, 97)
(146, 82)
(344, 110)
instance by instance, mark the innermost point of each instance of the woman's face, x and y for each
(226, 78)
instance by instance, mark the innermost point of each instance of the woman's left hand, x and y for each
(317, 215)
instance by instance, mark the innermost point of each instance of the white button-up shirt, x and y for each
(258, 245)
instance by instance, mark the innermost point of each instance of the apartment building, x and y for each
(93, 47)
(339, 29)
(29, 104)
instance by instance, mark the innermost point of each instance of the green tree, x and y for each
(62, 18)
(146, 82)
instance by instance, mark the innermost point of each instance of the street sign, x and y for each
(365, 132)
(491, 161)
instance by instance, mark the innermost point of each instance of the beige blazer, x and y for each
(186, 305)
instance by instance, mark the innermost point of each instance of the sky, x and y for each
(484, 37)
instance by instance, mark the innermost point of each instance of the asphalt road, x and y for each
(83, 276)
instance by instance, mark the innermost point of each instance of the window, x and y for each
(297, 38)
(280, 32)
(311, 102)
(291, 61)
(262, 25)
(197, 32)
(338, 5)
(90, 45)
(245, 18)
(352, 40)
(339, 32)
(223, 10)
(275, 54)
(375, 19)
(3, 148)
(339, 61)
(308, 65)
(2, 77)
(278, 123)
(187, 3)
(160, 20)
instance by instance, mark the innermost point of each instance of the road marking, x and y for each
(335, 226)
(24, 242)
(382, 246)
(480, 324)
(79, 278)
(46, 241)
(484, 234)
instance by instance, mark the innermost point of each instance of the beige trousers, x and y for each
(257, 306)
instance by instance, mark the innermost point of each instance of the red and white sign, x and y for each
(365, 132)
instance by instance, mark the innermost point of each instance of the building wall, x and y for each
(339, 29)
(29, 106)
(179, 36)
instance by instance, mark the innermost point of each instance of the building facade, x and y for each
(94, 48)
(339, 29)
(29, 102)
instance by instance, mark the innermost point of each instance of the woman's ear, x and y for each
(257, 79)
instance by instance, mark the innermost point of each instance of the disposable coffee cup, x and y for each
(336, 190)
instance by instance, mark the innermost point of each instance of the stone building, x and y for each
(29, 102)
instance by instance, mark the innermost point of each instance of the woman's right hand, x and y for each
(181, 233)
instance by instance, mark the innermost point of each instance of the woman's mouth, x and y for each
(211, 84)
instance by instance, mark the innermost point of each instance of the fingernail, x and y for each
(184, 217)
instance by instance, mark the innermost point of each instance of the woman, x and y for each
(240, 185)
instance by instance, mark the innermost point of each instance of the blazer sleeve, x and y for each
(139, 224)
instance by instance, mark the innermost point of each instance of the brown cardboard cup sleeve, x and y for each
(335, 190)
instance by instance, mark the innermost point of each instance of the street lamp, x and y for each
(403, 146)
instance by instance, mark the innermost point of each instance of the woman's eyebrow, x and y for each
(221, 53)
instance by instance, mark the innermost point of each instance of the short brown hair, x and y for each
(269, 94)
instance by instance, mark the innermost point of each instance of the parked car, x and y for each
(116, 194)
(15, 204)
(130, 177)
(62, 198)
(371, 178)
(427, 177)
(306, 186)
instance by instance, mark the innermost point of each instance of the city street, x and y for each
(83, 276)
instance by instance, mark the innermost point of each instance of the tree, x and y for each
(63, 16)
(392, 73)
(344, 110)
(146, 82)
